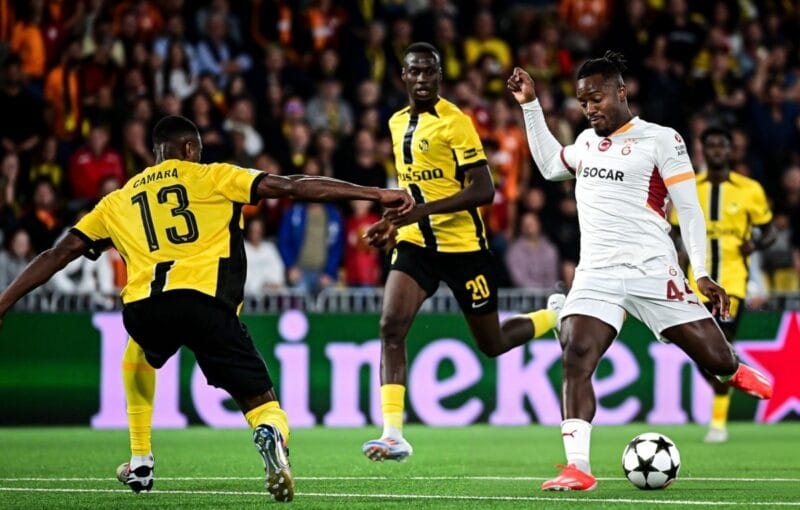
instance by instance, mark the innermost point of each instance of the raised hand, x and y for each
(521, 86)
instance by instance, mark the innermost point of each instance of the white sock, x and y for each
(577, 435)
(141, 460)
(392, 432)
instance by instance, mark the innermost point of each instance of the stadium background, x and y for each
(293, 87)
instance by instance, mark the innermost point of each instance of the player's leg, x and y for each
(472, 278)
(139, 380)
(660, 297)
(228, 358)
(718, 426)
(591, 317)
(402, 297)
(584, 340)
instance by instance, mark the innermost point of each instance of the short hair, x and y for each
(423, 47)
(611, 65)
(174, 128)
(716, 130)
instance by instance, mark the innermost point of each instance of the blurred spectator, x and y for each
(176, 74)
(17, 254)
(777, 261)
(62, 91)
(25, 131)
(720, 90)
(27, 40)
(295, 152)
(42, 219)
(682, 34)
(359, 164)
(44, 165)
(241, 120)
(148, 21)
(209, 123)
(531, 259)
(452, 52)
(233, 26)
(511, 165)
(426, 21)
(484, 41)
(630, 33)
(175, 32)
(587, 17)
(92, 163)
(311, 242)
(218, 54)
(328, 110)
(8, 18)
(324, 22)
(9, 206)
(566, 235)
(362, 262)
(273, 22)
(136, 153)
(325, 152)
(265, 269)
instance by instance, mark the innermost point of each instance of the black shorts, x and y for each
(470, 275)
(220, 342)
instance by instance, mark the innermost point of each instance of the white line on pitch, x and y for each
(566, 499)
(388, 478)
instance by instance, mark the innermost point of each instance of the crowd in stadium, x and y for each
(308, 87)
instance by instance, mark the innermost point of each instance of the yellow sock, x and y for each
(392, 404)
(269, 413)
(543, 321)
(719, 411)
(139, 379)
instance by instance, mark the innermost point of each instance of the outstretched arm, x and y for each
(547, 152)
(327, 189)
(42, 269)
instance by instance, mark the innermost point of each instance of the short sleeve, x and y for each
(465, 143)
(760, 213)
(93, 229)
(235, 183)
(672, 157)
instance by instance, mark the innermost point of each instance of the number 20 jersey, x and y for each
(177, 225)
(432, 152)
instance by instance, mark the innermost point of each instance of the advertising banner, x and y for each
(65, 369)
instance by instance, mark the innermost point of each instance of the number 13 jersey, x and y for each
(177, 225)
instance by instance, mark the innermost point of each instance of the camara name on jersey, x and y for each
(155, 176)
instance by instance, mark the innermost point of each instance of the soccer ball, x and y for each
(651, 461)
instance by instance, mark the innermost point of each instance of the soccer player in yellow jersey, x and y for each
(178, 226)
(440, 161)
(733, 205)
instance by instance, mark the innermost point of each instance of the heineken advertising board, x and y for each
(326, 368)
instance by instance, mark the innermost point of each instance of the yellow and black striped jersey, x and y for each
(731, 210)
(432, 152)
(177, 225)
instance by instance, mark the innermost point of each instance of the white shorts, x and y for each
(655, 292)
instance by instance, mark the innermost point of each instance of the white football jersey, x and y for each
(621, 191)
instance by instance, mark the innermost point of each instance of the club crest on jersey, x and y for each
(424, 145)
(604, 144)
(629, 143)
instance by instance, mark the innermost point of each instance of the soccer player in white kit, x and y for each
(625, 170)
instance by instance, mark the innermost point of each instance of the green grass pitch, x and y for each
(470, 467)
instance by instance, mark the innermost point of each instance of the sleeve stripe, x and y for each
(675, 179)
(81, 235)
(254, 187)
(472, 164)
(564, 160)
